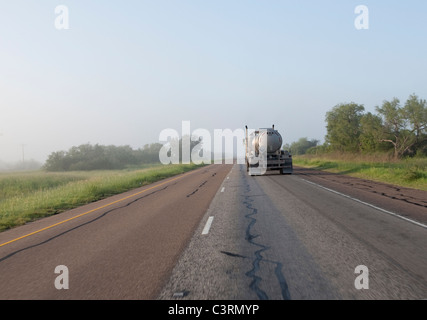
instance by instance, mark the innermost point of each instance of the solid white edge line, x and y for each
(369, 205)
(207, 226)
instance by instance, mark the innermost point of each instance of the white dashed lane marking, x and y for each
(207, 226)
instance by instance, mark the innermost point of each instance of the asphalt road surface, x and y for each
(123, 247)
(288, 237)
(217, 233)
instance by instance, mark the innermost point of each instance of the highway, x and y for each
(122, 247)
(283, 237)
(217, 233)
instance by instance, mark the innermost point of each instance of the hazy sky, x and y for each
(126, 70)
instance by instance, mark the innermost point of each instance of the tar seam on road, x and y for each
(189, 195)
(256, 280)
(96, 209)
(368, 204)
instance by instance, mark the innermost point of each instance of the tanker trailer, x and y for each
(264, 153)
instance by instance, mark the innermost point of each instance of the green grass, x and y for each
(28, 196)
(411, 173)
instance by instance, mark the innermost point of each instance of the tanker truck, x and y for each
(264, 153)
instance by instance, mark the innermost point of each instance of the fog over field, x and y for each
(120, 72)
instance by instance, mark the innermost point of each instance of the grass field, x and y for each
(27, 196)
(411, 173)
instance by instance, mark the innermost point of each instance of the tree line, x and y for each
(399, 129)
(99, 157)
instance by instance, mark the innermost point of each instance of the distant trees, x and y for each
(148, 154)
(302, 146)
(401, 129)
(98, 157)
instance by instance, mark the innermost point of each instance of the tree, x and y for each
(119, 157)
(302, 145)
(343, 127)
(395, 128)
(149, 153)
(56, 162)
(371, 133)
(415, 111)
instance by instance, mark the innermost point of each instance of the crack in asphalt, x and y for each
(200, 186)
(367, 185)
(190, 194)
(234, 255)
(250, 237)
(404, 198)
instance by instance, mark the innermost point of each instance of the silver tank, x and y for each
(268, 140)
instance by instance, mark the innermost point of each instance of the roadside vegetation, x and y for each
(388, 146)
(409, 172)
(27, 196)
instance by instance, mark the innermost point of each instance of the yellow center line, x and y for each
(96, 209)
